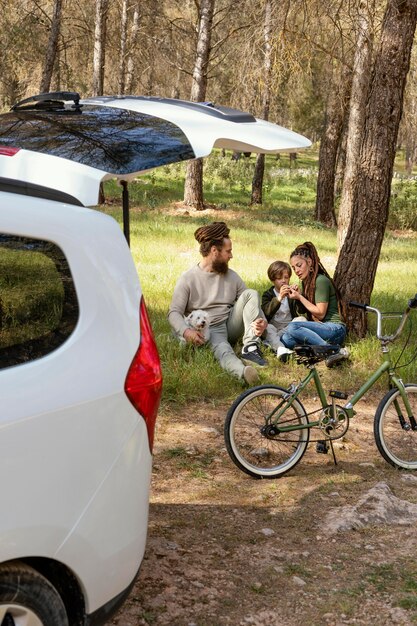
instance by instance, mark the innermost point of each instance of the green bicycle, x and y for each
(267, 429)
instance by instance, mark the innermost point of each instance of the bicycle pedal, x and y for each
(322, 447)
(340, 395)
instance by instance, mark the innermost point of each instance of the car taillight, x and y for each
(143, 385)
(6, 151)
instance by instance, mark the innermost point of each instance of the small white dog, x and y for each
(199, 320)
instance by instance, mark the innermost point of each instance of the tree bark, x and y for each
(130, 71)
(193, 190)
(52, 48)
(336, 111)
(359, 95)
(258, 176)
(123, 44)
(99, 58)
(359, 255)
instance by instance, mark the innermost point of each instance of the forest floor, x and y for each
(226, 549)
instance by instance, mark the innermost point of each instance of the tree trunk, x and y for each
(52, 48)
(193, 190)
(99, 58)
(130, 71)
(258, 176)
(258, 180)
(329, 147)
(358, 260)
(358, 99)
(123, 44)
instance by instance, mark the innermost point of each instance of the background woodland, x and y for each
(335, 71)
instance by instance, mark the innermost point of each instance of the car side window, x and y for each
(38, 302)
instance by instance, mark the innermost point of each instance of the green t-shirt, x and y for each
(325, 292)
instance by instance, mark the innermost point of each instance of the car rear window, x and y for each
(38, 303)
(117, 141)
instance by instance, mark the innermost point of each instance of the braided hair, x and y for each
(211, 235)
(307, 250)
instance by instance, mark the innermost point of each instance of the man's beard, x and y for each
(220, 267)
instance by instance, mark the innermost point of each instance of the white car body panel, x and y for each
(205, 132)
(75, 179)
(75, 455)
(75, 446)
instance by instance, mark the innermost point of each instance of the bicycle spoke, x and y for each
(395, 438)
(254, 441)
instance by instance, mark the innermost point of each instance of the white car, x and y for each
(80, 377)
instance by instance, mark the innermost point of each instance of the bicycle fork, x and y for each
(411, 424)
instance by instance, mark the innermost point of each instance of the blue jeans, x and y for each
(313, 334)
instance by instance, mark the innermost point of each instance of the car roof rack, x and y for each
(52, 101)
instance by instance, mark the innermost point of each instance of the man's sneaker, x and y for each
(322, 447)
(250, 375)
(284, 354)
(251, 354)
(332, 360)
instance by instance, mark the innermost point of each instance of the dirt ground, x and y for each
(226, 549)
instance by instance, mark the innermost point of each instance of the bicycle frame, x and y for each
(394, 382)
(314, 376)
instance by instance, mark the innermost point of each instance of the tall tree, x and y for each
(258, 176)
(123, 46)
(51, 51)
(359, 255)
(99, 59)
(358, 99)
(193, 190)
(130, 63)
(336, 110)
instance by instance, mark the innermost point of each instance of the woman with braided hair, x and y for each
(319, 301)
(234, 310)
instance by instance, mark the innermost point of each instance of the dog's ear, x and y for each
(189, 317)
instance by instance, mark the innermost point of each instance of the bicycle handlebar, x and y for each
(412, 304)
(358, 305)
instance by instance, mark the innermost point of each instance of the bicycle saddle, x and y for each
(314, 354)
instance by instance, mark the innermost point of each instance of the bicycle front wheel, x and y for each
(394, 437)
(254, 440)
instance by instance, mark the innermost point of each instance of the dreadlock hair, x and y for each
(211, 235)
(308, 251)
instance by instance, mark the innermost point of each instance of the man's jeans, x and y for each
(245, 311)
(313, 334)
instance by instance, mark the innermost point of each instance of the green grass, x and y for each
(163, 247)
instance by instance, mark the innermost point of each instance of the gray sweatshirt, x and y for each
(209, 291)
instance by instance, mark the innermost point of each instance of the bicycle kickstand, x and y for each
(333, 452)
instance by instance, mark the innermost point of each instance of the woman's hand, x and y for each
(294, 292)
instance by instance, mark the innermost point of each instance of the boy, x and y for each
(279, 310)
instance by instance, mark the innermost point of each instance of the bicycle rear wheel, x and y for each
(397, 442)
(255, 443)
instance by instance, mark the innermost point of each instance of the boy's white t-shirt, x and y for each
(283, 316)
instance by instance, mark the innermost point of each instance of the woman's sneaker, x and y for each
(332, 360)
(284, 354)
(251, 355)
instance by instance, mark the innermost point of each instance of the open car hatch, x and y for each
(63, 145)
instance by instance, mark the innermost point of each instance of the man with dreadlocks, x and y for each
(320, 300)
(234, 311)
